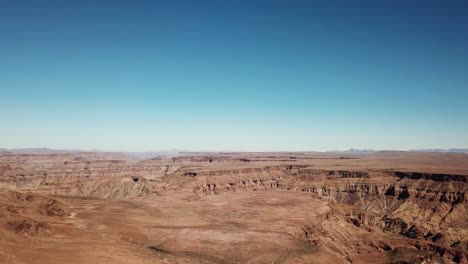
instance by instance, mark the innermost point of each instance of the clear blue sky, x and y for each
(233, 75)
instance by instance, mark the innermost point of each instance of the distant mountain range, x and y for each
(371, 151)
(152, 154)
(455, 150)
(47, 151)
(37, 151)
(175, 152)
(353, 151)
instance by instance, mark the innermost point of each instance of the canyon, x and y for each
(297, 207)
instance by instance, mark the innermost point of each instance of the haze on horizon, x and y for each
(245, 76)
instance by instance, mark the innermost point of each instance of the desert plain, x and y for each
(282, 207)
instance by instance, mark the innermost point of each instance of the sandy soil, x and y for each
(234, 208)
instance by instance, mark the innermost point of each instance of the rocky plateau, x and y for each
(97, 207)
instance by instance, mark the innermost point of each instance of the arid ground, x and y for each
(85, 207)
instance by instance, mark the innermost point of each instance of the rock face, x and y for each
(71, 175)
(413, 214)
(429, 207)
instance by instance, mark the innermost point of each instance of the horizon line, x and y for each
(349, 150)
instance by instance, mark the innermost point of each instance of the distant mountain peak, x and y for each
(354, 151)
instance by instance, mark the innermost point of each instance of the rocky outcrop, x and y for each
(413, 205)
(28, 227)
(99, 178)
(431, 176)
(23, 213)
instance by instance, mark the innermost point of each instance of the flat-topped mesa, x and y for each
(331, 183)
(299, 179)
(246, 172)
(239, 185)
(305, 173)
(431, 176)
(99, 178)
(383, 198)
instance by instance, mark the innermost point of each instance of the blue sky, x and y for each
(233, 75)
